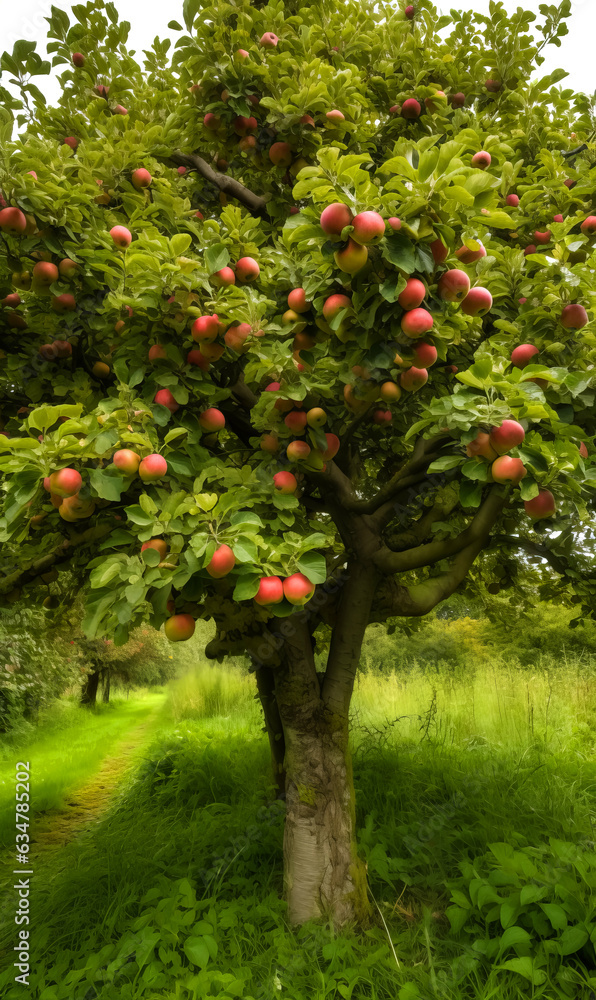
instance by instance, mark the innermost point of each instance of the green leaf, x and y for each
(445, 463)
(513, 936)
(399, 250)
(572, 939)
(246, 587)
(137, 515)
(245, 551)
(180, 243)
(107, 484)
(44, 416)
(470, 493)
(216, 257)
(556, 914)
(313, 565)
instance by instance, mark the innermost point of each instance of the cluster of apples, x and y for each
(296, 589)
(368, 229)
(507, 469)
(299, 422)
(64, 487)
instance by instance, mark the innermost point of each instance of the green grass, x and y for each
(177, 893)
(65, 749)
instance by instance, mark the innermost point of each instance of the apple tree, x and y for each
(297, 333)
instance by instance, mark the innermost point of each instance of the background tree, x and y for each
(287, 266)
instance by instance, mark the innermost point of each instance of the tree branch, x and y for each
(255, 204)
(513, 541)
(446, 501)
(62, 553)
(418, 599)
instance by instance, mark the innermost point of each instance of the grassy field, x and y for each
(475, 811)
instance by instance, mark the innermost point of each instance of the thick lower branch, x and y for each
(255, 204)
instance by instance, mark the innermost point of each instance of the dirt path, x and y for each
(86, 805)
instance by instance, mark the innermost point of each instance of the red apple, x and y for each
(425, 354)
(439, 251)
(409, 12)
(477, 302)
(74, 509)
(223, 278)
(394, 223)
(382, 417)
(334, 304)
(481, 446)
(542, 238)
(164, 398)
(222, 562)
(120, 110)
(152, 468)
(159, 545)
(369, 227)
(507, 470)
(522, 355)
(453, 285)
(413, 379)
(333, 444)
(390, 392)
(457, 100)
(285, 482)
(335, 116)
(141, 178)
(211, 121)
(508, 435)
(198, 358)
(493, 86)
(541, 506)
(297, 301)
(157, 352)
(71, 141)
(296, 421)
(298, 451)
(121, 236)
(298, 589)
(48, 352)
(212, 419)
(268, 40)
(467, 256)
(352, 258)
(512, 200)
(127, 461)
(416, 322)
(63, 303)
(270, 443)
(68, 268)
(241, 54)
(78, 59)
(45, 273)
(574, 317)
(247, 270)
(179, 628)
(531, 248)
(481, 159)
(66, 482)
(205, 328)
(333, 218)
(307, 120)
(11, 301)
(558, 218)
(280, 154)
(270, 591)
(243, 125)
(237, 335)
(413, 294)
(588, 226)
(411, 108)
(582, 450)
(13, 221)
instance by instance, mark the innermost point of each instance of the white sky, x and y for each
(25, 19)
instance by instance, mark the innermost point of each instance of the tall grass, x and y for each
(447, 761)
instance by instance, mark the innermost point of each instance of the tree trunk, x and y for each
(105, 692)
(273, 725)
(323, 875)
(89, 692)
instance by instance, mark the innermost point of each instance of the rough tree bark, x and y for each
(105, 690)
